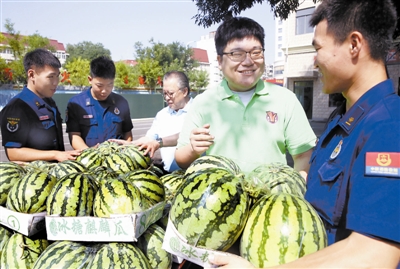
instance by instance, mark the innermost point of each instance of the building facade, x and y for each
(294, 63)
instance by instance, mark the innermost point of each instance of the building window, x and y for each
(280, 54)
(279, 30)
(302, 21)
(280, 38)
(279, 70)
(279, 46)
(280, 22)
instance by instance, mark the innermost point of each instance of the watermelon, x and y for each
(274, 178)
(37, 165)
(148, 183)
(118, 196)
(10, 173)
(281, 228)
(119, 162)
(102, 174)
(210, 208)
(64, 254)
(141, 161)
(66, 167)
(207, 161)
(72, 196)
(90, 158)
(119, 256)
(5, 234)
(157, 170)
(29, 194)
(171, 184)
(21, 252)
(108, 148)
(150, 243)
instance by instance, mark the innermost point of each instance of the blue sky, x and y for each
(118, 25)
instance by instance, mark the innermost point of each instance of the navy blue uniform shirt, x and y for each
(354, 178)
(98, 121)
(30, 121)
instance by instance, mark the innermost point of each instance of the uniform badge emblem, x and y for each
(336, 151)
(272, 117)
(383, 159)
(12, 125)
(116, 111)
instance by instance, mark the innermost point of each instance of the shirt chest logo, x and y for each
(382, 164)
(116, 111)
(272, 117)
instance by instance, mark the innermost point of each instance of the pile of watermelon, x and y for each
(109, 179)
(212, 204)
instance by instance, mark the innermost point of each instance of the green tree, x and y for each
(198, 79)
(172, 56)
(14, 40)
(127, 76)
(86, 50)
(78, 70)
(18, 71)
(151, 69)
(36, 41)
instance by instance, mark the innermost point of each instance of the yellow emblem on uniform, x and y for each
(337, 149)
(383, 159)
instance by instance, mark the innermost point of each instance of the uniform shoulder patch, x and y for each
(12, 124)
(382, 164)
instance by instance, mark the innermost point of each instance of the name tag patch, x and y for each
(382, 164)
(87, 116)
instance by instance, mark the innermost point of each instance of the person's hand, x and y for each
(67, 155)
(201, 140)
(141, 141)
(149, 147)
(225, 260)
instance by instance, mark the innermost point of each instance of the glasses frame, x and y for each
(230, 54)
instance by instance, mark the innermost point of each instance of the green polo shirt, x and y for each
(272, 122)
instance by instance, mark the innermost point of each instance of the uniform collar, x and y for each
(350, 119)
(90, 101)
(34, 101)
(226, 93)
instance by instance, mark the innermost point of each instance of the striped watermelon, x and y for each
(119, 162)
(210, 209)
(90, 158)
(118, 196)
(37, 165)
(207, 161)
(119, 256)
(157, 170)
(141, 161)
(108, 147)
(64, 254)
(72, 196)
(102, 174)
(275, 178)
(21, 252)
(5, 234)
(10, 173)
(171, 184)
(66, 167)
(281, 228)
(150, 242)
(148, 183)
(30, 193)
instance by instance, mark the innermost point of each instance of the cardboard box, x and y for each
(117, 228)
(26, 224)
(175, 244)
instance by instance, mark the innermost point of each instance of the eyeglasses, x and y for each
(171, 94)
(240, 55)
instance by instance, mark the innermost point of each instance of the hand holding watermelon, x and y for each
(228, 261)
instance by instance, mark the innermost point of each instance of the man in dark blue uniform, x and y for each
(31, 125)
(98, 114)
(354, 178)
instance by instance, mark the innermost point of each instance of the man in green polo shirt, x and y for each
(245, 119)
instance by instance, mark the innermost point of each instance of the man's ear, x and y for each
(356, 41)
(31, 74)
(89, 79)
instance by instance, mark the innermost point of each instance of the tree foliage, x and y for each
(127, 76)
(86, 50)
(215, 11)
(78, 70)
